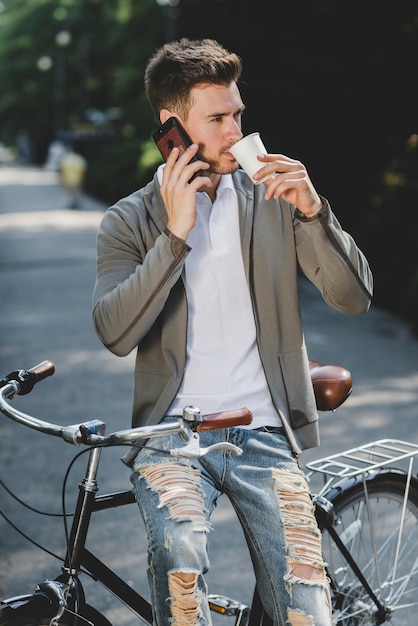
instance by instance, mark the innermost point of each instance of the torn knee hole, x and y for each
(302, 535)
(297, 618)
(185, 577)
(178, 489)
(185, 598)
(305, 554)
(308, 572)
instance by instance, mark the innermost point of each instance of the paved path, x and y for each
(47, 270)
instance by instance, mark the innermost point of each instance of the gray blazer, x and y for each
(140, 303)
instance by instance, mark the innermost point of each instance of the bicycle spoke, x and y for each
(380, 530)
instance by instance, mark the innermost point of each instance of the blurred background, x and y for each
(330, 83)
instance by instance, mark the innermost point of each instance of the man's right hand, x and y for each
(178, 194)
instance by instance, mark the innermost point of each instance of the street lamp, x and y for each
(57, 62)
(62, 40)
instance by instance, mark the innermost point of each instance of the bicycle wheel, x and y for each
(36, 610)
(380, 530)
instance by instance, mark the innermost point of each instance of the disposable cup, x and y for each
(246, 151)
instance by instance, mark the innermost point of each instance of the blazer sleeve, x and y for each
(137, 266)
(330, 258)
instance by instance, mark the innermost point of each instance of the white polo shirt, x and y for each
(223, 368)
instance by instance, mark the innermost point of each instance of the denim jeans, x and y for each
(271, 498)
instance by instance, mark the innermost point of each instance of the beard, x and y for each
(219, 165)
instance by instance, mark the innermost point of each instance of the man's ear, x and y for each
(164, 115)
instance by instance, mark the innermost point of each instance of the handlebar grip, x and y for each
(28, 378)
(42, 370)
(225, 419)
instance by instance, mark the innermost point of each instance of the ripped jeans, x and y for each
(270, 496)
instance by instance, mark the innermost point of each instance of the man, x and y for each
(72, 170)
(201, 278)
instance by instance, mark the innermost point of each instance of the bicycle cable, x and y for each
(62, 515)
(26, 505)
(34, 510)
(25, 536)
(38, 545)
(67, 473)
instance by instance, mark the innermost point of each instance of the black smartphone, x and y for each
(172, 135)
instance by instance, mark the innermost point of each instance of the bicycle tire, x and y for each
(37, 610)
(394, 583)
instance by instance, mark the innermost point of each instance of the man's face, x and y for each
(214, 123)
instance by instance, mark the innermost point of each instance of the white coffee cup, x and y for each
(246, 151)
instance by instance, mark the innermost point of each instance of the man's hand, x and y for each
(178, 194)
(290, 181)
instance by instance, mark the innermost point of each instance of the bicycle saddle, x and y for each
(332, 385)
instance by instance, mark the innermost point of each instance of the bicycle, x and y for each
(366, 508)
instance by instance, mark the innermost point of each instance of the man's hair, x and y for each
(179, 66)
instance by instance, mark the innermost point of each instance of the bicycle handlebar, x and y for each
(21, 382)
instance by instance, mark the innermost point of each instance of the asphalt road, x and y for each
(47, 271)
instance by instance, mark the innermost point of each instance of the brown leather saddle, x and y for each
(332, 385)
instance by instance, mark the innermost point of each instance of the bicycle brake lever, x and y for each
(192, 449)
(222, 445)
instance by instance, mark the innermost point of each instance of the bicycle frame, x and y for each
(78, 557)
(324, 515)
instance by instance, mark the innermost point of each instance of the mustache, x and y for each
(228, 148)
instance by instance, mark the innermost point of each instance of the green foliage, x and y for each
(59, 59)
(150, 157)
(120, 168)
(112, 171)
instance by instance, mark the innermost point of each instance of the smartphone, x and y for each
(172, 135)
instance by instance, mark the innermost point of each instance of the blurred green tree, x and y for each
(73, 69)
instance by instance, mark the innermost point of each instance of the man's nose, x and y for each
(234, 133)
